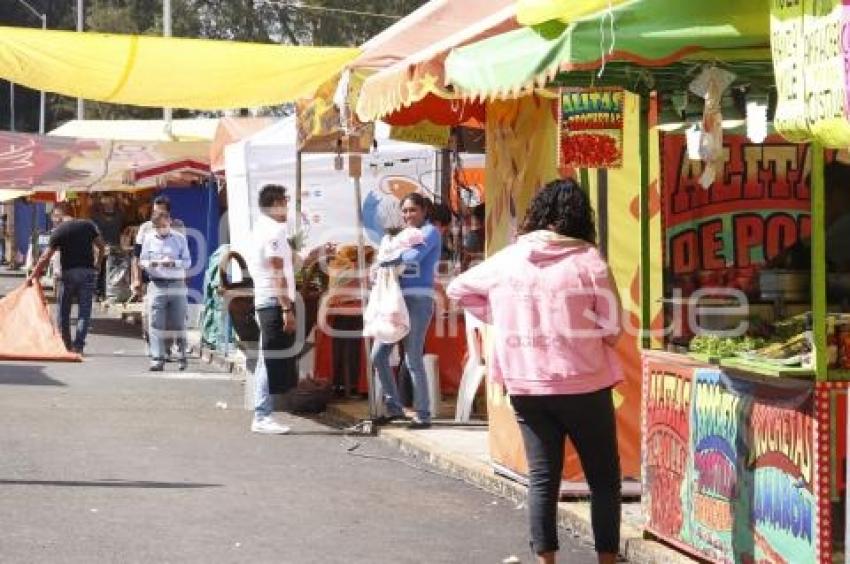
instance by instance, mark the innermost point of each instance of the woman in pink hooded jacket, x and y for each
(555, 316)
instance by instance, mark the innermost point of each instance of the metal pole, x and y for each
(41, 97)
(81, 108)
(166, 32)
(298, 185)
(43, 18)
(374, 400)
(11, 106)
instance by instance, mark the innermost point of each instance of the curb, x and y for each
(21, 273)
(574, 517)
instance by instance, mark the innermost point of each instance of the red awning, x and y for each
(174, 172)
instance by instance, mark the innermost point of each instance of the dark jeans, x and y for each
(77, 284)
(278, 350)
(588, 420)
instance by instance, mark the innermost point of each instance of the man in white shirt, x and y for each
(165, 257)
(273, 272)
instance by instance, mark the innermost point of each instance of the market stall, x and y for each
(743, 442)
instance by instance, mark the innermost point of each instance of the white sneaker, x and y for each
(268, 426)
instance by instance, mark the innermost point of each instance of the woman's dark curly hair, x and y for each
(420, 201)
(564, 208)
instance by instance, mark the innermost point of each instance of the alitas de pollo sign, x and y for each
(810, 43)
(592, 128)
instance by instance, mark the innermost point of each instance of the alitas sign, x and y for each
(810, 43)
(758, 207)
(592, 128)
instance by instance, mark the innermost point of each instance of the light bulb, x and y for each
(756, 121)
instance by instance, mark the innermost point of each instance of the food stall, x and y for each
(744, 394)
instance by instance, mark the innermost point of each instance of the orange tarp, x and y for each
(26, 331)
(230, 130)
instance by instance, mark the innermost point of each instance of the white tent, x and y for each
(328, 210)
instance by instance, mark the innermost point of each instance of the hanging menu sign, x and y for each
(591, 128)
(810, 61)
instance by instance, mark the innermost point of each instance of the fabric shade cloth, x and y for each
(161, 172)
(165, 71)
(26, 331)
(56, 164)
(230, 130)
(193, 129)
(440, 111)
(411, 69)
(533, 12)
(9, 195)
(645, 32)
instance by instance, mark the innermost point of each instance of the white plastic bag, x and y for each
(386, 317)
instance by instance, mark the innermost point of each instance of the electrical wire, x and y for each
(351, 447)
(346, 11)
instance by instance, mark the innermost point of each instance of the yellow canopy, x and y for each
(533, 12)
(164, 71)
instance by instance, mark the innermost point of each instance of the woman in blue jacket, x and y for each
(417, 284)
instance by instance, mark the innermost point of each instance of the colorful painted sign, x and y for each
(809, 44)
(758, 207)
(591, 128)
(666, 452)
(50, 164)
(729, 463)
(753, 469)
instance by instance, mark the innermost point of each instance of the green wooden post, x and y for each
(819, 261)
(645, 252)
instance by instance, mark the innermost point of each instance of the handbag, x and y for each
(386, 317)
(239, 298)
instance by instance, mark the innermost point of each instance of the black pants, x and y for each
(588, 420)
(279, 351)
(347, 352)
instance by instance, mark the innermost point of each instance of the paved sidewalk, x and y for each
(463, 452)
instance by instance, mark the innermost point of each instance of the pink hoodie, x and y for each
(555, 314)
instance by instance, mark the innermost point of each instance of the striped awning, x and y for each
(419, 75)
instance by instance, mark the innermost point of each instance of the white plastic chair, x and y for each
(473, 371)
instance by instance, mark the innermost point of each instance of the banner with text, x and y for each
(592, 128)
(809, 45)
(753, 469)
(666, 446)
(758, 207)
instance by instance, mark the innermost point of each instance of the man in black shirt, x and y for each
(75, 239)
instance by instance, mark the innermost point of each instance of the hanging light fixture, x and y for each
(693, 138)
(757, 117)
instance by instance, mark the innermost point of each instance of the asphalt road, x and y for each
(103, 462)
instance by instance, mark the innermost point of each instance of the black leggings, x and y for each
(588, 420)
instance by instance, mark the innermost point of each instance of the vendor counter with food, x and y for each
(745, 392)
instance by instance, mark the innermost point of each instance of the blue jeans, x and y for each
(168, 303)
(77, 284)
(420, 307)
(2, 249)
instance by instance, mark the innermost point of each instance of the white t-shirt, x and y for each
(268, 240)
